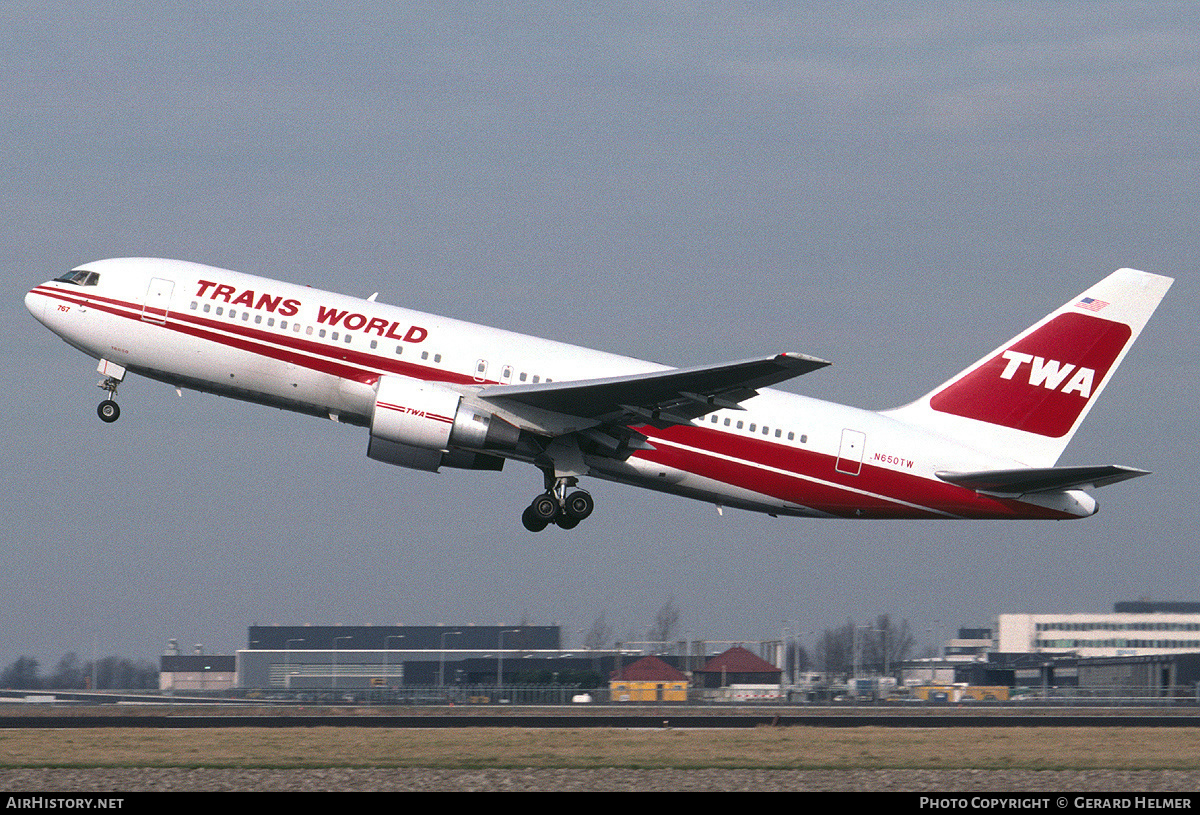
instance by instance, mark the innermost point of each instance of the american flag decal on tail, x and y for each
(1091, 304)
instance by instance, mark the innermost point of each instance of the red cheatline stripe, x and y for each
(832, 492)
(346, 363)
(810, 479)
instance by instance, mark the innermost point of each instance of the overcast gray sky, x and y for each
(893, 187)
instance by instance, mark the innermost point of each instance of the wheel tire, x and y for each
(566, 521)
(108, 411)
(579, 505)
(531, 521)
(544, 508)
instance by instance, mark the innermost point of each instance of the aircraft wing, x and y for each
(659, 398)
(1045, 479)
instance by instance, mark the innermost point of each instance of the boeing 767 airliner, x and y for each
(436, 392)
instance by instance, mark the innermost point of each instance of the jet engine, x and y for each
(426, 426)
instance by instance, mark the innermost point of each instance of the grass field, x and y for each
(1035, 748)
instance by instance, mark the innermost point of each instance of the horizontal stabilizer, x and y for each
(1045, 479)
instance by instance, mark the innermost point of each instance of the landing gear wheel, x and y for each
(544, 508)
(578, 506)
(108, 410)
(531, 521)
(566, 521)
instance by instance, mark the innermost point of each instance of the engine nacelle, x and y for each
(425, 426)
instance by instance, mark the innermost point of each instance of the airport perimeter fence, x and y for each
(550, 695)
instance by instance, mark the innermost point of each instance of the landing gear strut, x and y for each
(556, 506)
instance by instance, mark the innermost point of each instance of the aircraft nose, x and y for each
(36, 304)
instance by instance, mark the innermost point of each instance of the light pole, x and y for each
(287, 662)
(442, 657)
(500, 656)
(784, 662)
(335, 642)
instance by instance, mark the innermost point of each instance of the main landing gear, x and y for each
(556, 506)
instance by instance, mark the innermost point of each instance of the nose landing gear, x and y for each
(556, 506)
(108, 410)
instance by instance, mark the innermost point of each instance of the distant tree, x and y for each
(666, 622)
(599, 635)
(795, 655)
(835, 649)
(68, 674)
(22, 674)
(125, 674)
(886, 644)
(876, 648)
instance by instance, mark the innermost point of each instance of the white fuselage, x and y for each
(323, 353)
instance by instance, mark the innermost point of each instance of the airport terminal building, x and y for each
(1146, 632)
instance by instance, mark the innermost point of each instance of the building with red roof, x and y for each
(737, 666)
(648, 680)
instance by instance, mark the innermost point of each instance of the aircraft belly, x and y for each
(642, 473)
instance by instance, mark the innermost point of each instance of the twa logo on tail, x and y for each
(1049, 373)
(1042, 382)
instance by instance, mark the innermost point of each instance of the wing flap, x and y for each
(1041, 479)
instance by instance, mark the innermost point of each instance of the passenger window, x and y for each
(194, 304)
(536, 379)
(791, 436)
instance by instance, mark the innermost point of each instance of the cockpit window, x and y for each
(80, 278)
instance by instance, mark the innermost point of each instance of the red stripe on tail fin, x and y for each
(1041, 383)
